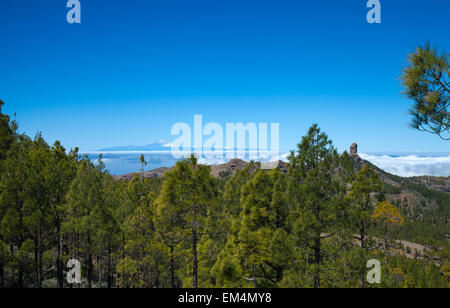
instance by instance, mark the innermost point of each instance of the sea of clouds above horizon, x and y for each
(406, 165)
(409, 165)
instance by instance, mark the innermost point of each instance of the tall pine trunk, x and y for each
(89, 261)
(59, 263)
(100, 276)
(317, 262)
(38, 251)
(110, 272)
(38, 281)
(194, 253)
(20, 276)
(172, 267)
(385, 245)
(20, 268)
(317, 252)
(363, 246)
(2, 275)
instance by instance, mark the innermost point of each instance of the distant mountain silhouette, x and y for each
(157, 146)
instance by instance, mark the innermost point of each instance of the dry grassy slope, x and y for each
(435, 183)
(231, 167)
(424, 191)
(156, 173)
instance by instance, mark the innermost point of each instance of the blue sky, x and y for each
(134, 68)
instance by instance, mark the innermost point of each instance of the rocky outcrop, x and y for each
(354, 152)
(354, 149)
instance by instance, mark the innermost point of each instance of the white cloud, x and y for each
(411, 165)
(120, 162)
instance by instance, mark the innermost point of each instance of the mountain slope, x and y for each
(424, 201)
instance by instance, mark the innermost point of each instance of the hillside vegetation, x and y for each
(313, 222)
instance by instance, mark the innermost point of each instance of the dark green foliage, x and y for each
(309, 227)
(316, 197)
(7, 132)
(427, 82)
